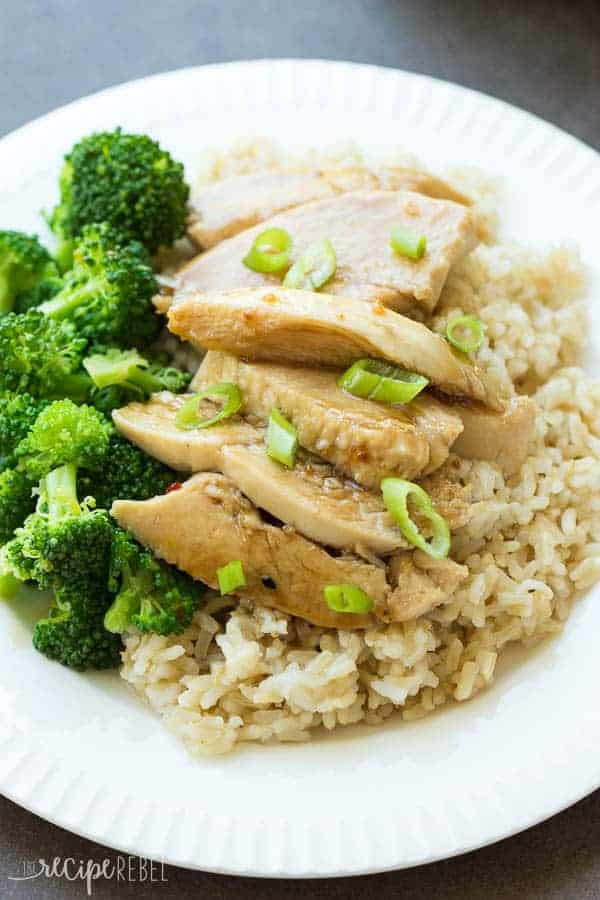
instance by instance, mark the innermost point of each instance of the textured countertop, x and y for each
(543, 55)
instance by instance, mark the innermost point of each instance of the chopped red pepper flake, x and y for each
(174, 487)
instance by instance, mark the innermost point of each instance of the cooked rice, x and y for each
(532, 545)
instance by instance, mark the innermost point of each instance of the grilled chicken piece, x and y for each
(208, 523)
(365, 440)
(367, 267)
(500, 437)
(420, 584)
(152, 427)
(283, 325)
(315, 501)
(228, 206)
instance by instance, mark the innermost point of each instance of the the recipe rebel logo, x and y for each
(130, 869)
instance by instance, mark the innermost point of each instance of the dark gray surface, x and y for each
(543, 55)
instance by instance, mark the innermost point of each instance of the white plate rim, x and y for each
(584, 173)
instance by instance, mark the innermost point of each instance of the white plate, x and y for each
(84, 753)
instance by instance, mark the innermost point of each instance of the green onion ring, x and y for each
(270, 251)
(396, 492)
(282, 439)
(187, 416)
(472, 325)
(231, 577)
(314, 268)
(406, 243)
(347, 598)
(383, 383)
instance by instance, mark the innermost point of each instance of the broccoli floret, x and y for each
(18, 413)
(74, 634)
(64, 543)
(121, 376)
(41, 357)
(24, 263)
(126, 474)
(17, 501)
(64, 433)
(151, 595)
(126, 180)
(108, 293)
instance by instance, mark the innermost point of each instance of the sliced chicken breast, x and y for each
(152, 427)
(367, 267)
(289, 326)
(420, 584)
(365, 440)
(499, 437)
(315, 501)
(208, 523)
(226, 207)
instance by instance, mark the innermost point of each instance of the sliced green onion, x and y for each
(396, 492)
(187, 418)
(231, 577)
(475, 333)
(270, 251)
(407, 243)
(282, 439)
(375, 380)
(347, 598)
(314, 268)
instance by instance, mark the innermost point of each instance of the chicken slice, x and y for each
(283, 325)
(420, 583)
(152, 427)
(226, 207)
(499, 437)
(359, 225)
(315, 501)
(365, 440)
(208, 523)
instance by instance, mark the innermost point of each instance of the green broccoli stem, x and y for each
(145, 380)
(64, 255)
(6, 291)
(76, 386)
(59, 490)
(67, 300)
(9, 585)
(134, 588)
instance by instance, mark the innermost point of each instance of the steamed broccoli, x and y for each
(64, 433)
(151, 595)
(41, 357)
(121, 376)
(126, 180)
(24, 264)
(18, 413)
(17, 501)
(73, 633)
(127, 473)
(108, 293)
(64, 543)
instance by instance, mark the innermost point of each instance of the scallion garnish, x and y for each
(375, 380)
(347, 598)
(314, 268)
(396, 493)
(231, 577)
(472, 329)
(406, 243)
(270, 251)
(187, 418)
(282, 439)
